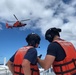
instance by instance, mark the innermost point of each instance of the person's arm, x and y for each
(10, 64)
(26, 67)
(50, 56)
(30, 57)
(47, 62)
(11, 67)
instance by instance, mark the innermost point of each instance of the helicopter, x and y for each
(17, 23)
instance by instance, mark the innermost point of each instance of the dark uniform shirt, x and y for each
(56, 50)
(31, 55)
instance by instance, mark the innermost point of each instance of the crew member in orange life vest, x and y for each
(24, 61)
(61, 54)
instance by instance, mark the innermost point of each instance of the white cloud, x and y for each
(46, 13)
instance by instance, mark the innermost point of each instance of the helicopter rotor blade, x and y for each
(15, 16)
(25, 20)
(10, 21)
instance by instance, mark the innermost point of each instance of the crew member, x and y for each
(24, 61)
(61, 54)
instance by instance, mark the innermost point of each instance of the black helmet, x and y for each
(33, 39)
(50, 33)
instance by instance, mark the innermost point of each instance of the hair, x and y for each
(51, 33)
(33, 39)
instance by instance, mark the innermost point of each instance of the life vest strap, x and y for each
(15, 65)
(20, 66)
(72, 61)
(33, 70)
(62, 73)
(18, 73)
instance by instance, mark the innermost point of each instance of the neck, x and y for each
(56, 38)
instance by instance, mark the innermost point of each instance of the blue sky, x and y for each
(12, 39)
(43, 14)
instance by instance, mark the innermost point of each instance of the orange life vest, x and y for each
(68, 65)
(18, 62)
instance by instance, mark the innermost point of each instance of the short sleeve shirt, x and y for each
(56, 50)
(31, 55)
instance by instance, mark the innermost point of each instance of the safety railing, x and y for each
(47, 72)
(5, 71)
